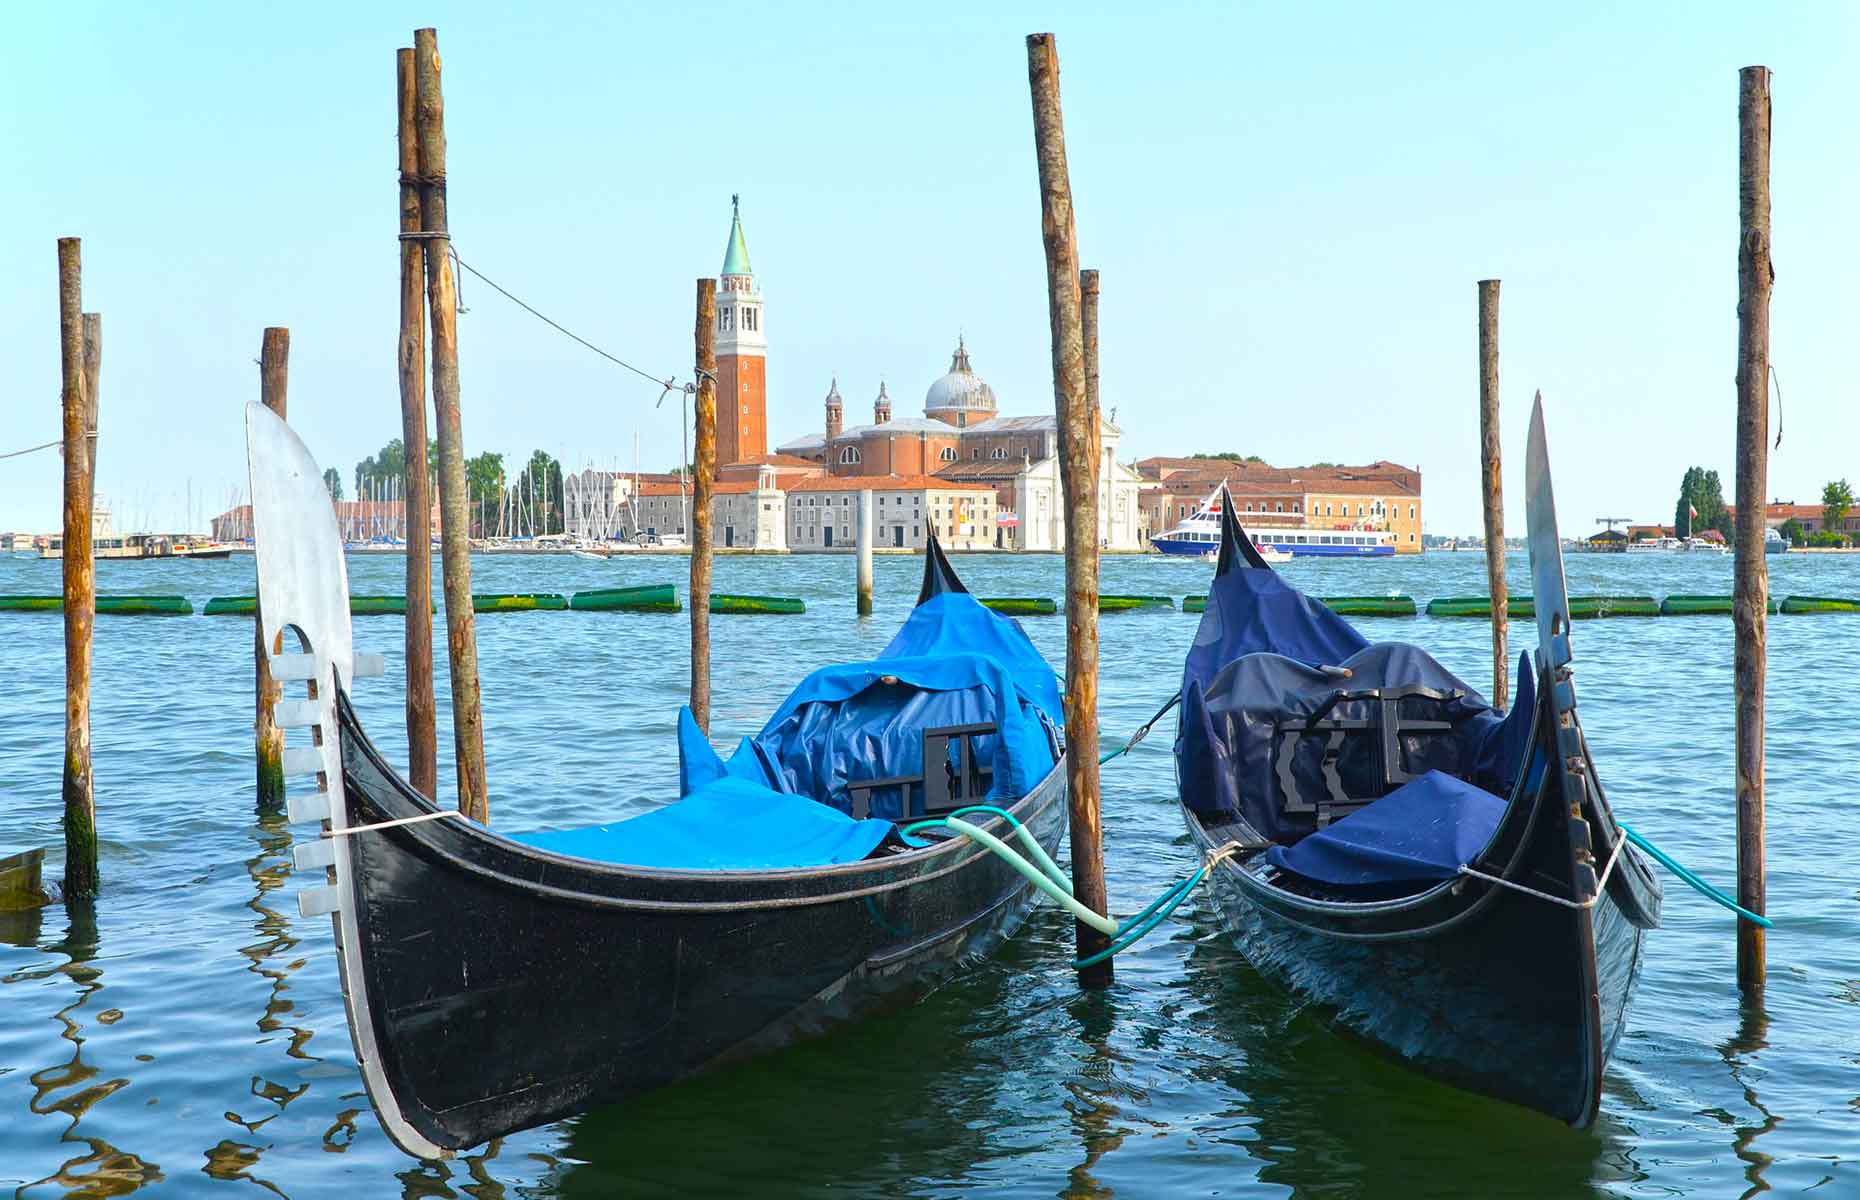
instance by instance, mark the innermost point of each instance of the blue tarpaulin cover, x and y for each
(727, 825)
(781, 798)
(1422, 832)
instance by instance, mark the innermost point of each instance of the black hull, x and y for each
(504, 987)
(1471, 983)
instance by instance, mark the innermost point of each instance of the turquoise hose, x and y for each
(1141, 924)
(1038, 878)
(1693, 881)
(1034, 849)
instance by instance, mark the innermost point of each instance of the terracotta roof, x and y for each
(773, 460)
(885, 483)
(723, 487)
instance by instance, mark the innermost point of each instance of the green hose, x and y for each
(1693, 881)
(1066, 901)
(1037, 851)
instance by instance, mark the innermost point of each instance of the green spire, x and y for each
(736, 255)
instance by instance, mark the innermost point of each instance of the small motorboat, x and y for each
(496, 981)
(1444, 882)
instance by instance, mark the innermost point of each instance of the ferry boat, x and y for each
(1201, 532)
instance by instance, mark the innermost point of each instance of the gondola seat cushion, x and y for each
(728, 824)
(1421, 833)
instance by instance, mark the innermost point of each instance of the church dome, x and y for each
(960, 391)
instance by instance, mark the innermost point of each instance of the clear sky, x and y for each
(1289, 204)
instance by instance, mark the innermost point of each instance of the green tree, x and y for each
(1701, 490)
(484, 483)
(1837, 500)
(1224, 456)
(537, 490)
(332, 479)
(1792, 529)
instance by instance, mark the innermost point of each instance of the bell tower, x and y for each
(742, 355)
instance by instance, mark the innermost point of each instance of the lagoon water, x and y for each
(185, 1034)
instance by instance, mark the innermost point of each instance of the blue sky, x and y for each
(1290, 206)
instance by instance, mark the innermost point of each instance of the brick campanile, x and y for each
(742, 355)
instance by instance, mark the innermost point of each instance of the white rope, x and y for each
(32, 449)
(1601, 885)
(354, 829)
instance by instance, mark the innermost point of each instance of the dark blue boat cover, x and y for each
(1422, 832)
(727, 825)
(1251, 610)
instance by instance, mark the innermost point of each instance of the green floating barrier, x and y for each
(1819, 604)
(146, 606)
(518, 602)
(377, 606)
(1128, 603)
(657, 597)
(121, 606)
(1194, 604)
(32, 603)
(1370, 606)
(1695, 606)
(725, 603)
(231, 606)
(1581, 608)
(1021, 606)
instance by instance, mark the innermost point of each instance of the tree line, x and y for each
(531, 502)
(1701, 506)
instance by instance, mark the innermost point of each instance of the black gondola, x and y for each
(1444, 882)
(495, 983)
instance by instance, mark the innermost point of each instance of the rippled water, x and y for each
(187, 1032)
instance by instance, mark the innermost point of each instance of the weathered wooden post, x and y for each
(865, 552)
(274, 361)
(93, 375)
(454, 519)
(1079, 450)
(705, 467)
(1492, 490)
(1088, 326)
(80, 579)
(422, 738)
(1754, 279)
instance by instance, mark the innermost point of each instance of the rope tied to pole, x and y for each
(1143, 730)
(35, 449)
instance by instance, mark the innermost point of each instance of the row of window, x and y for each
(850, 455)
(752, 320)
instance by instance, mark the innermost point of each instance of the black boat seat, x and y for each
(1371, 741)
(941, 787)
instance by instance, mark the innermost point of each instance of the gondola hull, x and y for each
(505, 987)
(1481, 987)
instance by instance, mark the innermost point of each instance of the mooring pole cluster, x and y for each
(703, 477)
(1492, 489)
(274, 364)
(454, 513)
(1755, 276)
(1080, 448)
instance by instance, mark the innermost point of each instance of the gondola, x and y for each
(1442, 881)
(495, 982)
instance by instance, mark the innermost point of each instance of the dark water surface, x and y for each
(186, 1034)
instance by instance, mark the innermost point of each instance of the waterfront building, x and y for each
(1811, 517)
(906, 509)
(1378, 496)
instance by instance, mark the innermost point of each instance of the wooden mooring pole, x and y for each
(1079, 452)
(1492, 491)
(274, 364)
(454, 517)
(422, 735)
(865, 535)
(1755, 276)
(704, 475)
(80, 579)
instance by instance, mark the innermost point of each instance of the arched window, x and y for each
(849, 455)
(998, 452)
(949, 454)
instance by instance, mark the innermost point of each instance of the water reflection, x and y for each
(72, 1088)
(1325, 1115)
(1093, 1102)
(1739, 1052)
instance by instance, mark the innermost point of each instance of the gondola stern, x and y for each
(940, 577)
